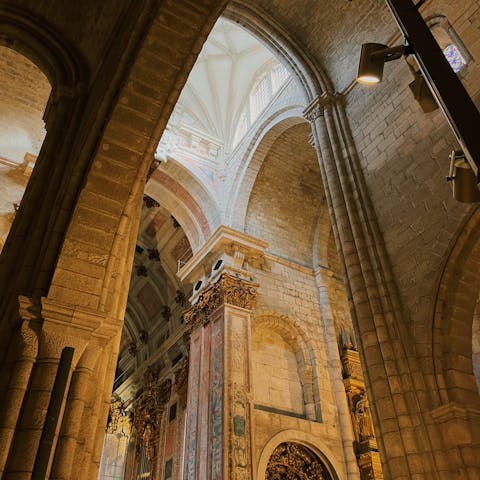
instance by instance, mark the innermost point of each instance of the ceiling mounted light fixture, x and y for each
(372, 59)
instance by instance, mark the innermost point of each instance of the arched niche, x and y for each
(283, 365)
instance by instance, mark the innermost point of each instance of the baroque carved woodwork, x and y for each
(148, 411)
(227, 290)
(150, 202)
(365, 445)
(181, 374)
(119, 420)
(180, 298)
(181, 381)
(292, 461)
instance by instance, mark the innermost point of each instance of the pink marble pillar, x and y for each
(218, 425)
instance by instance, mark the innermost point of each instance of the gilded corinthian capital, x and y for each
(227, 290)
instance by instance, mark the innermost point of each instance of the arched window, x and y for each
(452, 46)
(454, 57)
(260, 96)
(279, 76)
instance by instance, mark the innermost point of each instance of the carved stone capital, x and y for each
(317, 108)
(227, 290)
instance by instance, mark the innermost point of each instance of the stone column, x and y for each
(88, 430)
(218, 418)
(25, 445)
(325, 285)
(77, 397)
(25, 351)
(394, 382)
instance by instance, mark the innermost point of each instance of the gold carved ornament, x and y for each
(119, 421)
(181, 374)
(292, 461)
(148, 411)
(227, 290)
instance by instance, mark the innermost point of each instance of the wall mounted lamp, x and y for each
(464, 181)
(421, 92)
(370, 71)
(372, 59)
(449, 92)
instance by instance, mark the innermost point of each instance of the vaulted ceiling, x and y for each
(217, 89)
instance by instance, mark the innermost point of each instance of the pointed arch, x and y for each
(458, 291)
(314, 81)
(259, 147)
(63, 66)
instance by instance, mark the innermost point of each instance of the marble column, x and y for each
(218, 419)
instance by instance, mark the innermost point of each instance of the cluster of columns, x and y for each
(57, 395)
(414, 425)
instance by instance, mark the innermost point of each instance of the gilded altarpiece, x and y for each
(149, 422)
(218, 422)
(365, 445)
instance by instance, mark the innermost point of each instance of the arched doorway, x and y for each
(293, 461)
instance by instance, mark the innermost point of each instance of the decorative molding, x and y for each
(181, 374)
(317, 107)
(223, 239)
(365, 444)
(227, 290)
(119, 420)
(293, 461)
(148, 411)
(150, 202)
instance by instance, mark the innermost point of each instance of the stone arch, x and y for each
(297, 338)
(312, 78)
(23, 32)
(257, 151)
(286, 195)
(187, 199)
(314, 81)
(67, 75)
(455, 304)
(306, 439)
(129, 140)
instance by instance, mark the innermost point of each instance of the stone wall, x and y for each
(287, 196)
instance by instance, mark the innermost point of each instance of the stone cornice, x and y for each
(222, 239)
(78, 320)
